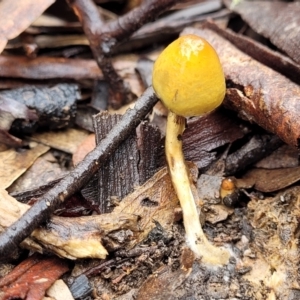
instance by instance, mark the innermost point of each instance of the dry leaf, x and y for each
(13, 163)
(87, 145)
(279, 21)
(16, 16)
(44, 170)
(64, 140)
(270, 180)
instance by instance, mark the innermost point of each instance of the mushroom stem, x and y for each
(196, 239)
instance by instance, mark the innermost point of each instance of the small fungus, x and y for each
(188, 78)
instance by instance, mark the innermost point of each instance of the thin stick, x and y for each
(41, 211)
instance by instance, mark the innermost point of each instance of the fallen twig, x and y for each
(42, 210)
(103, 38)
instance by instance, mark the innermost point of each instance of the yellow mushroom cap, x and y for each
(188, 77)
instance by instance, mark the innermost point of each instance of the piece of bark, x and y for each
(81, 287)
(279, 21)
(86, 237)
(205, 134)
(54, 106)
(31, 278)
(257, 148)
(41, 211)
(134, 162)
(256, 92)
(15, 17)
(263, 54)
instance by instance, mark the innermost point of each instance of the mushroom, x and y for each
(188, 78)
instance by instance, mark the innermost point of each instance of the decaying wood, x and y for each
(94, 236)
(275, 245)
(54, 107)
(205, 134)
(88, 236)
(256, 92)
(72, 238)
(285, 20)
(135, 161)
(42, 210)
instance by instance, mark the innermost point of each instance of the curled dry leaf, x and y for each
(256, 92)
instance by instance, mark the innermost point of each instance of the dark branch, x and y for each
(104, 38)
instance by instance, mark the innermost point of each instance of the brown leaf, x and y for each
(13, 163)
(65, 140)
(87, 145)
(10, 209)
(284, 157)
(278, 21)
(16, 16)
(258, 93)
(30, 279)
(266, 180)
(45, 169)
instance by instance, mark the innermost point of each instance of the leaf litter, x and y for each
(140, 244)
